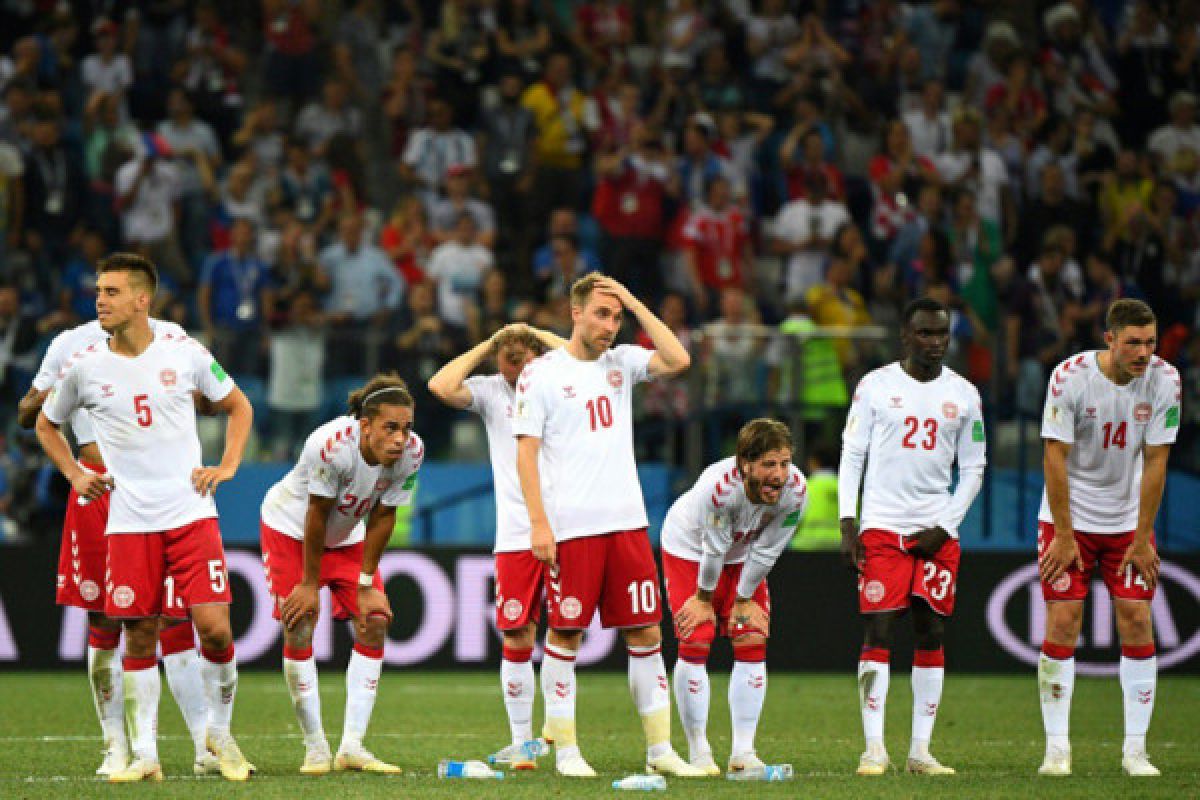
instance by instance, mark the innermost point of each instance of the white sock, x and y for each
(1056, 682)
(301, 678)
(747, 691)
(519, 685)
(1139, 678)
(692, 696)
(106, 678)
(362, 684)
(186, 680)
(927, 696)
(220, 684)
(143, 688)
(651, 697)
(558, 696)
(873, 677)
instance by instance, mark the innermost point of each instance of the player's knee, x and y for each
(1134, 622)
(565, 640)
(751, 647)
(878, 630)
(141, 638)
(214, 634)
(1064, 621)
(649, 636)
(298, 637)
(372, 630)
(520, 638)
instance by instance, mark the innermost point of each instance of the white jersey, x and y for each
(911, 432)
(583, 413)
(73, 341)
(715, 523)
(145, 422)
(493, 399)
(1107, 426)
(331, 465)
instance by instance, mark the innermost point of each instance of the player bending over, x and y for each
(910, 421)
(719, 541)
(519, 576)
(165, 556)
(1111, 417)
(352, 474)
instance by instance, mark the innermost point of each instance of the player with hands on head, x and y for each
(908, 425)
(519, 575)
(574, 426)
(1110, 419)
(719, 541)
(326, 524)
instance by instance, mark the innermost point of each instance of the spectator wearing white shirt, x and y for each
(432, 150)
(147, 199)
(458, 201)
(929, 123)
(1181, 132)
(320, 122)
(458, 267)
(195, 143)
(803, 230)
(970, 165)
(107, 71)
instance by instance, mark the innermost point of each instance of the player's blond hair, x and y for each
(582, 289)
(1126, 312)
(385, 389)
(760, 436)
(522, 338)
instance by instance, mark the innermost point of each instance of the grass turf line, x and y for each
(989, 728)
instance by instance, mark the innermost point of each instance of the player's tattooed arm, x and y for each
(380, 523)
(29, 406)
(749, 614)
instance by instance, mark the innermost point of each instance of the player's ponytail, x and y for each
(386, 388)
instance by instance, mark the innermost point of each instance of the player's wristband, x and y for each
(366, 579)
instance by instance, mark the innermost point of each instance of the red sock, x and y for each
(102, 638)
(1059, 652)
(218, 656)
(177, 638)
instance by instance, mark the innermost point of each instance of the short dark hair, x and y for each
(385, 389)
(137, 265)
(760, 436)
(1126, 312)
(921, 304)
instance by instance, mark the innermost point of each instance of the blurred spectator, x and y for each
(407, 240)
(433, 150)
(1105, 286)
(979, 170)
(497, 307)
(107, 71)
(567, 266)
(897, 174)
(320, 121)
(522, 36)
(294, 382)
(733, 343)
(602, 30)
(210, 70)
(834, 302)
(457, 267)
(557, 108)
(741, 135)
(612, 111)
(290, 65)
(803, 230)
(1054, 146)
(458, 49)
(976, 244)
(1141, 58)
(147, 191)
(426, 341)
(717, 251)
(1182, 131)
(12, 197)
(718, 87)
(18, 350)
(405, 100)
(769, 36)
(458, 201)
(1052, 206)
(990, 67)
(811, 144)
(665, 403)
(77, 297)
(1016, 93)
(563, 222)
(230, 299)
(262, 136)
(507, 152)
(929, 123)
(306, 188)
(356, 50)
(685, 32)
(1124, 196)
(630, 204)
(242, 196)
(933, 29)
(820, 527)
(698, 163)
(1051, 320)
(194, 144)
(55, 188)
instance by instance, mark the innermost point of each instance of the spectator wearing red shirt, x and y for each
(812, 159)
(629, 205)
(1020, 96)
(290, 64)
(896, 176)
(603, 29)
(716, 244)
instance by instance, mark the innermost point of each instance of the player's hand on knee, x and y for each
(542, 540)
(90, 484)
(206, 479)
(1059, 556)
(301, 604)
(694, 613)
(372, 602)
(749, 614)
(1143, 557)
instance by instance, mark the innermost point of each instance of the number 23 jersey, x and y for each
(912, 432)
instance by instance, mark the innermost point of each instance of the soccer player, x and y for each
(519, 576)
(352, 474)
(1111, 417)
(719, 541)
(910, 421)
(81, 564)
(574, 426)
(164, 547)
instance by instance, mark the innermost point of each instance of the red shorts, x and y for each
(682, 575)
(283, 562)
(1108, 549)
(519, 589)
(892, 574)
(166, 573)
(83, 552)
(612, 572)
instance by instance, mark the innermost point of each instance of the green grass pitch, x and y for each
(989, 729)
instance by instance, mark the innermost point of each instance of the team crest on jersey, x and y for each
(949, 410)
(1141, 412)
(873, 591)
(615, 378)
(570, 607)
(89, 591)
(512, 609)
(106, 390)
(897, 402)
(168, 377)
(122, 597)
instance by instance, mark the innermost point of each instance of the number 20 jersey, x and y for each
(912, 432)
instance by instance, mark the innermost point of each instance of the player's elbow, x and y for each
(438, 388)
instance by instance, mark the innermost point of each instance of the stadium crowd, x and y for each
(328, 187)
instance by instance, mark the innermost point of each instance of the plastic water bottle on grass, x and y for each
(467, 769)
(644, 783)
(767, 772)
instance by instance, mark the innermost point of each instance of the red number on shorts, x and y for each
(1115, 438)
(600, 410)
(943, 577)
(216, 575)
(142, 408)
(347, 506)
(914, 424)
(643, 597)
